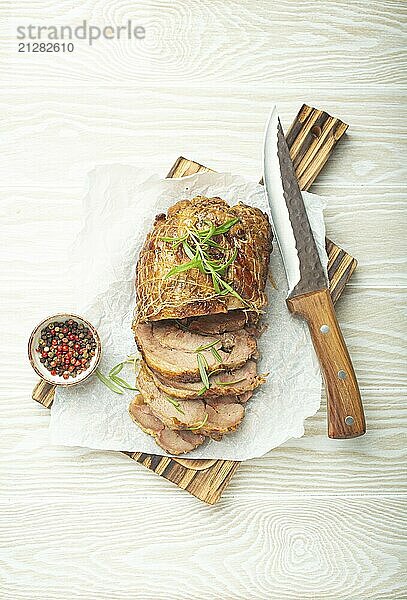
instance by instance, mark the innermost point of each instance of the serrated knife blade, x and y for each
(290, 221)
(308, 295)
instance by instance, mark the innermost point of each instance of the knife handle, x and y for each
(346, 418)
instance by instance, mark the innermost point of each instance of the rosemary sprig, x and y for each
(196, 244)
(108, 383)
(226, 226)
(216, 354)
(115, 370)
(133, 359)
(122, 383)
(213, 244)
(175, 404)
(229, 289)
(193, 264)
(226, 383)
(174, 240)
(217, 370)
(225, 265)
(113, 381)
(203, 365)
(207, 346)
(199, 425)
(188, 250)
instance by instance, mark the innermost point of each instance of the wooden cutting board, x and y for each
(311, 139)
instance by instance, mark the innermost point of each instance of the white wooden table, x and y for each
(315, 518)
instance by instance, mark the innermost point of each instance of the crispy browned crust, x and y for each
(191, 293)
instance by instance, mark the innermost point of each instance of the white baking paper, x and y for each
(118, 211)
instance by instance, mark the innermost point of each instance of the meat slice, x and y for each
(176, 414)
(215, 416)
(191, 292)
(245, 397)
(173, 352)
(230, 399)
(173, 442)
(216, 324)
(141, 413)
(223, 416)
(233, 383)
(178, 442)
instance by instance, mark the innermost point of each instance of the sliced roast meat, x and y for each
(188, 331)
(141, 413)
(176, 414)
(173, 352)
(223, 417)
(225, 383)
(178, 442)
(173, 442)
(214, 417)
(245, 397)
(216, 324)
(230, 399)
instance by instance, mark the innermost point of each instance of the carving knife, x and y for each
(309, 295)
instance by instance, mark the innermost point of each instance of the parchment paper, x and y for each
(118, 210)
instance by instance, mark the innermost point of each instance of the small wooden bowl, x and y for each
(39, 368)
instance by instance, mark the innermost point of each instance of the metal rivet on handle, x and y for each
(324, 329)
(342, 374)
(349, 420)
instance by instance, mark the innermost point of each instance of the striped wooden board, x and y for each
(311, 139)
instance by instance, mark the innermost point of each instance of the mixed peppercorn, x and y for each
(66, 348)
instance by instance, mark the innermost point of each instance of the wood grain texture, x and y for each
(350, 548)
(311, 139)
(315, 518)
(346, 418)
(196, 43)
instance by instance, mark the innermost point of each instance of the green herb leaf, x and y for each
(210, 345)
(132, 359)
(231, 290)
(226, 226)
(226, 383)
(202, 391)
(172, 239)
(225, 265)
(123, 383)
(193, 264)
(196, 244)
(217, 370)
(188, 250)
(175, 404)
(199, 425)
(205, 361)
(115, 370)
(108, 383)
(210, 234)
(215, 283)
(216, 354)
(202, 370)
(213, 244)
